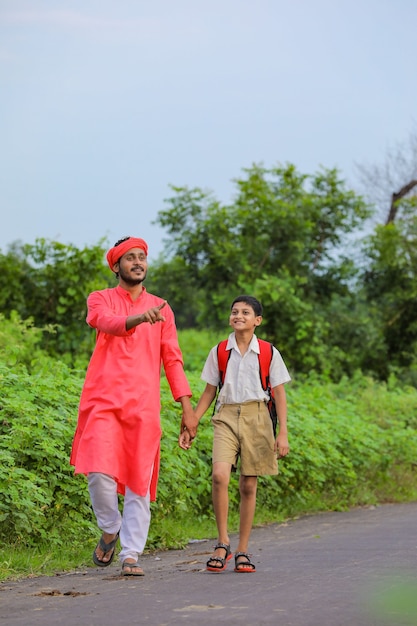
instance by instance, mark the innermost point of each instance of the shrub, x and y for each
(351, 443)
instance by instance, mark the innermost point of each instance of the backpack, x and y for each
(265, 357)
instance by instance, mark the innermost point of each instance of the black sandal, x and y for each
(106, 547)
(244, 566)
(218, 559)
(135, 569)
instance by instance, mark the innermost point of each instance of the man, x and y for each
(117, 440)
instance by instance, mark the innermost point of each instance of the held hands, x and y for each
(185, 440)
(154, 315)
(189, 424)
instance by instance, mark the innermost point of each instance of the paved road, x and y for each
(355, 568)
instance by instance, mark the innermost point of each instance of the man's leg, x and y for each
(135, 526)
(104, 500)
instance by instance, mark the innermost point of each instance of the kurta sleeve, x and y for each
(103, 317)
(172, 357)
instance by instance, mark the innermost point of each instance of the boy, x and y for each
(242, 427)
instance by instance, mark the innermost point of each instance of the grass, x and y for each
(18, 562)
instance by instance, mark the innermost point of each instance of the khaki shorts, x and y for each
(245, 431)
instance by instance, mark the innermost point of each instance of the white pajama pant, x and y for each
(133, 524)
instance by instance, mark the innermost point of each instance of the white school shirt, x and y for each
(242, 382)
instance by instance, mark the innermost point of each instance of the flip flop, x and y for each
(106, 547)
(135, 569)
(218, 559)
(244, 566)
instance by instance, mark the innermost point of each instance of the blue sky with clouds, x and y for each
(106, 103)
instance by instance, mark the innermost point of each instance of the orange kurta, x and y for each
(119, 430)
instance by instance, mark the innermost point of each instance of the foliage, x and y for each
(352, 440)
(282, 239)
(390, 285)
(196, 344)
(38, 413)
(332, 316)
(19, 341)
(48, 283)
(278, 241)
(355, 441)
(172, 280)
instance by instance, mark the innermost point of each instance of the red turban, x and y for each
(116, 252)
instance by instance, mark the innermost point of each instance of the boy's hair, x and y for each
(250, 301)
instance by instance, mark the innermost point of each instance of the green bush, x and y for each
(352, 443)
(40, 495)
(196, 344)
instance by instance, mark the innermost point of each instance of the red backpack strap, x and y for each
(265, 358)
(223, 357)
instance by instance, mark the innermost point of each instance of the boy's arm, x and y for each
(281, 443)
(185, 439)
(206, 399)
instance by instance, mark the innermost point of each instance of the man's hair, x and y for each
(115, 246)
(250, 301)
(121, 241)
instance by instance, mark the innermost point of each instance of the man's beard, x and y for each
(129, 280)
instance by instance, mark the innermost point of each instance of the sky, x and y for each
(105, 104)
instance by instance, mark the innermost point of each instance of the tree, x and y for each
(278, 240)
(48, 282)
(390, 267)
(390, 284)
(392, 184)
(172, 280)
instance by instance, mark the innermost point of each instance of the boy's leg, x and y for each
(220, 496)
(247, 488)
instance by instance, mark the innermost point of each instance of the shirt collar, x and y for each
(126, 294)
(232, 344)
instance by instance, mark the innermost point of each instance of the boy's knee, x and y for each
(219, 478)
(248, 485)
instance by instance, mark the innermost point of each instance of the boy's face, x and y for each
(242, 317)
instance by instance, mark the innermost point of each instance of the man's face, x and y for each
(132, 267)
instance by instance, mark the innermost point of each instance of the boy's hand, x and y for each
(281, 445)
